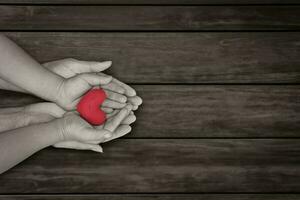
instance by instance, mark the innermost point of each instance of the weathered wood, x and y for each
(156, 197)
(209, 111)
(162, 165)
(152, 2)
(149, 18)
(177, 57)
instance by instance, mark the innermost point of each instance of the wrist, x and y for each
(59, 125)
(57, 91)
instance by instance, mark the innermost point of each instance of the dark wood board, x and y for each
(208, 111)
(155, 197)
(162, 166)
(177, 57)
(153, 2)
(149, 18)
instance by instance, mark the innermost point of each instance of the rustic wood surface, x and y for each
(156, 197)
(207, 111)
(150, 18)
(220, 84)
(152, 2)
(177, 57)
(162, 166)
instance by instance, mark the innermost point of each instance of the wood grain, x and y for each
(156, 197)
(153, 2)
(177, 57)
(208, 111)
(162, 166)
(150, 18)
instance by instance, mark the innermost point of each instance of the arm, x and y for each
(18, 68)
(69, 67)
(17, 145)
(70, 131)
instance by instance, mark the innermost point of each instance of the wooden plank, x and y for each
(150, 18)
(153, 2)
(162, 166)
(156, 197)
(209, 111)
(177, 57)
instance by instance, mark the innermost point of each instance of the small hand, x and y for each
(74, 128)
(44, 112)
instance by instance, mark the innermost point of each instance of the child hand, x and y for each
(44, 112)
(73, 128)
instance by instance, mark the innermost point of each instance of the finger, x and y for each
(113, 113)
(114, 87)
(129, 91)
(96, 66)
(129, 119)
(119, 132)
(46, 108)
(109, 116)
(113, 104)
(135, 101)
(115, 96)
(79, 146)
(36, 118)
(107, 110)
(116, 120)
(96, 134)
(95, 79)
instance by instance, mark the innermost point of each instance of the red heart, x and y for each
(89, 107)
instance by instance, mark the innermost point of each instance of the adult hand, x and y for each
(116, 90)
(70, 91)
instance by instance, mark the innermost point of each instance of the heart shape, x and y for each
(89, 107)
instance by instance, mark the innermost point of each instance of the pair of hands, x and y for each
(78, 78)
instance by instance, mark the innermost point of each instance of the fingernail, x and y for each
(123, 99)
(108, 76)
(100, 150)
(108, 62)
(141, 101)
(121, 90)
(130, 106)
(107, 135)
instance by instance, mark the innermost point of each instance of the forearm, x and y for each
(17, 145)
(9, 86)
(11, 118)
(18, 68)
(17, 117)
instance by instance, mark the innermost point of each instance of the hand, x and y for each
(71, 90)
(75, 131)
(117, 91)
(44, 112)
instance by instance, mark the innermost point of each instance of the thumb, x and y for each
(115, 121)
(92, 134)
(95, 79)
(79, 146)
(96, 66)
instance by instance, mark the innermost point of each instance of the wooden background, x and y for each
(220, 83)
